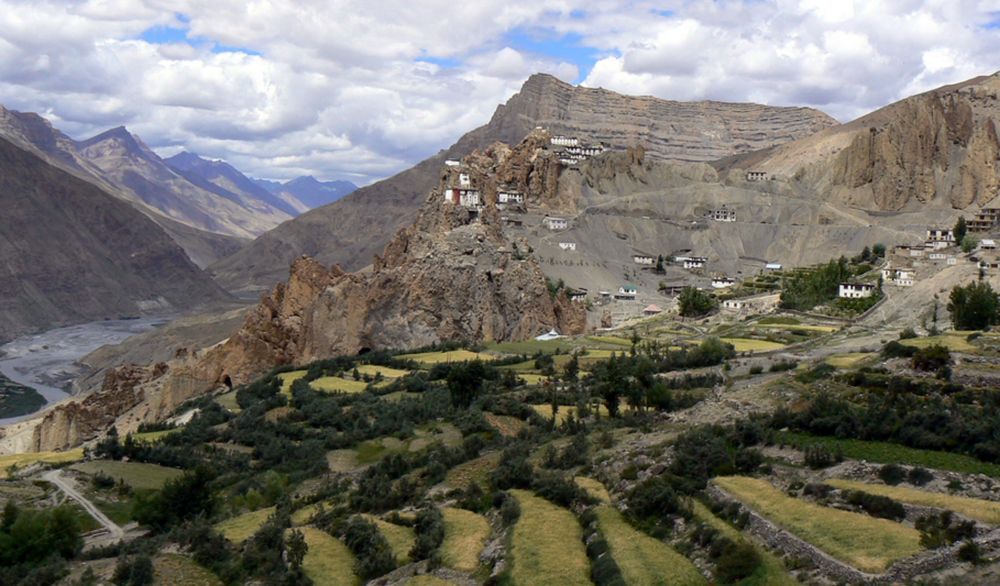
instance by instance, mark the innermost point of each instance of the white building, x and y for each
(855, 290)
(564, 141)
(952, 261)
(987, 244)
(626, 292)
(464, 180)
(772, 266)
(470, 198)
(452, 163)
(553, 223)
(940, 235)
(722, 282)
(577, 295)
(567, 245)
(724, 214)
(756, 176)
(937, 256)
(758, 304)
(509, 196)
(695, 262)
(644, 260)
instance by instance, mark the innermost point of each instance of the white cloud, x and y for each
(360, 89)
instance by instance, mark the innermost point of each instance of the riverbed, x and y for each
(47, 362)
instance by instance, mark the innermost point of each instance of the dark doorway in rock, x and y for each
(228, 382)
(364, 351)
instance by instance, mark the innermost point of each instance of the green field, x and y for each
(641, 558)
(337, 384)
(242, 527)
(372, 370)
(151, 437)
(594, 488)
(868, 544)
(328, 562)
(22, 460)
(450, 356)
(547, 545)
(465, 535)
(287, 378)
(505, 425)
(138, 475)
(771, 572)
(228, 401)
(751, 345)
(955, 341)
(345, 460)
(848, 360)
(475, 470)
(889, 453)
(545, 411)
(531, 347)
(400, 537)
(612, 340)
(171, 569)
(978, 509)
(798, 327)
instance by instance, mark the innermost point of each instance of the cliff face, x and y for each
(348, 232)
(937, 149)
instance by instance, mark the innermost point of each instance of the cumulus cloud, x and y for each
(358, 89)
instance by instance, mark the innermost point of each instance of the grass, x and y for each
(328, 561)
(177, 570)
(531, 378)
(346, 460)
(138, 475)
(751, 345)
(798, 327)
(336, 384)
(978, 509)
(848, 360)
(889, 453)
(594, 488)
(465, 535)
(151, 437)
(505, 425)
(869, 544)
(564, 411)
(242, 527)
(287, 378)
(547, 545)
(228, 402)
(450, 356)
(954, 341)
(400, 537)
(770, 572)
(22, 460)
(372, 370)
(641, 558)
(476, 470)
(531, 347)
(302, 516)
(427, 580)
(613, 340)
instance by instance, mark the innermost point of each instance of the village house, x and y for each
(564, 141)
(567, 245)
(723, 214)
(694, 262)
(940, 235)
(899, 276)
(515, 222)
(755, 305)
(722, 282)
(553, 223)
(626, 292)
(577, 295)
(985, 220)
(452, 163)
(651, 310)
(509, 196)
(855, 290)
(772, 266)
(464, 180)
(937, 256)
(951, 261)
(987, 244)
(470, 198)
(644, 260)
(756, 176)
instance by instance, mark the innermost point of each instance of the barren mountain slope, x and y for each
(70, 252)
(355, 228)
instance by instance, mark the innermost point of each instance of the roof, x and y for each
(629, 287)
(652, 309)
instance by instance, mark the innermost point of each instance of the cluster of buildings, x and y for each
(723, 214)
(855, 290)
(986, 220)
(572, 151)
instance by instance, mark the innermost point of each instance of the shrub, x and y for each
(941, 530)
(374, 556)
(783, 365)
(736, 562)
(970, 552)
(933, 357)
(891, 474)
(817, 489)
(135, 571)
(510, 510)
(695, 303)
(896, 350)
(919, 476)
(818, 456)
(756, 369)
(429, 528)
(907, 334)
(876, 505)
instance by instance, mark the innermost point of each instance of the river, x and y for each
(47, 362)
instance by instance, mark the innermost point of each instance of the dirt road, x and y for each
(66, 486)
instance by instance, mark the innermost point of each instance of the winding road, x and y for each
(66, 486)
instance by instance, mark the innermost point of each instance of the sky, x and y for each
(361, 89)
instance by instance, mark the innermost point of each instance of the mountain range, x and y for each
(306, 192)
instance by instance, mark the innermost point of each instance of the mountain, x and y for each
(129, 163)
(936, 150)
(70, 252)
(35, 134)
(307, 192)
(225, 176)
(353, 229)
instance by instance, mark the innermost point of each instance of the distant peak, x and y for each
(119, 133)
(544, 79)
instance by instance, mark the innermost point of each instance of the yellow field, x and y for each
(771, 572)
(336, 384)
(328, 561)
(242, 527)
(287, 378)
(547, 545)
(171, 569)
(594, 488)
(867, 543)
(400, 537)
(848, 360)
(465, 535)
(151, 437)
(505, 425)
(531, 378)
(751, 345)
(22, 460)
(952, 340)
(135, 474)
(978, 509)
(451, 356)
(427, 580)
(343, 460)
(372, 370)
(564, 410)
(476, 470)
(641, 558)
(798, 327)
(304, 515)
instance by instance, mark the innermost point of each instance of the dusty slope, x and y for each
(352, 230)
(70, 252)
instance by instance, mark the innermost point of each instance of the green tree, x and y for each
(659, 265)
(878, 250)
(960, 229)
(465, 382)
(295, 550)
(969, 244)
(695, 303)
(974, 306)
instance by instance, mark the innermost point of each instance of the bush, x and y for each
(876, 505)
(891, 474)
(817, 489)
(135, 571)
(907, 334)
(756, 369)
(374, 556)
(919, 476)
(970, 552)
(695, 303)
(818, 456)
(736, 562)
(429, 528)
(974, 306)
(896, 350)
(941, 530)
(931, 358)
(510, 510)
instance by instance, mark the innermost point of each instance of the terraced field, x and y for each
(386, 372)
(641, 558)
(955, 341)
(752, 345)
(771, 572)
(170, 569)
(848, 360)
(978, 509)
(465, 535)
(564, 412)
(867, 543)
(22, 460)
(400, 537)
(547, 546)
(450, 356)
(138, 475)
(241, 527)
(151, 437)
(338, 384)
(287, 378)
(328, 561)
(475, 470)
(594, 488)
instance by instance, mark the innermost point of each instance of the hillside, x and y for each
(352, 230)
(307, 192)
(936, 150)
(224, 176)
(70, 252)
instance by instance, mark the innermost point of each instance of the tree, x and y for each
(960, 229)
(295, 550)
(969, 244)
(465, 381)
(659, 265)
(974, 306)
(878, 250)
(695, 303)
